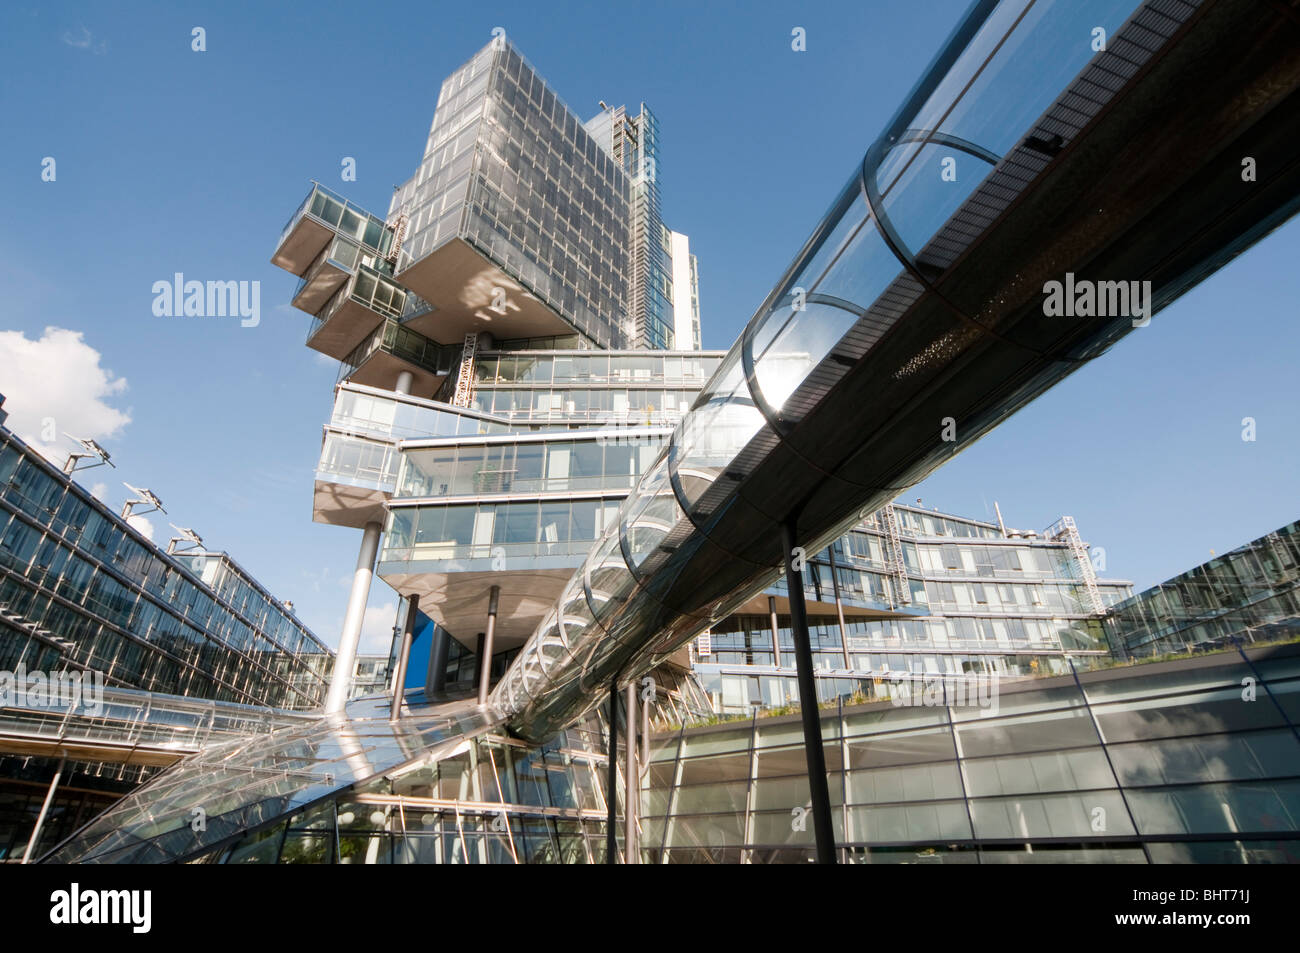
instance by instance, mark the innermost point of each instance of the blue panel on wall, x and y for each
(417, 665)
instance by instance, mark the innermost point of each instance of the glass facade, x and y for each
(493, 803)
(633, 143)
(1250, 594)
(137, 734)
(384, 414)
(391, 338)
(82, 590)
(511, 169)
(527, 529)
(800, 407)
(265, 778)
(527, 465)
(360, 442)
(1163, 763)
(968, 598)
(374, 291)
(346, 219)
(89, 791)
(590, 387)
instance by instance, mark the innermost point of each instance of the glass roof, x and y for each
(227, 789)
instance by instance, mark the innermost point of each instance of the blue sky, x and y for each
(170, 160)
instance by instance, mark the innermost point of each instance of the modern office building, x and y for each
(574, 541)
(518, 288)
(686, 293)
(185, 644)
(659, 258)
(910, 594)
(80, 588)
(517, 220)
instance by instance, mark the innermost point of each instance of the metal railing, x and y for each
(125, 718)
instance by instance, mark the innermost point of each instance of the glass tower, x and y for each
(511, 178)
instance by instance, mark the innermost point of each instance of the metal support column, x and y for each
(776, 632)
(812, 729)
(478, 656)
(345, 662)
(403, 654)
(645, 735)
(45, 810)
(611, 780)
(436, 679)
(631, 778)
(839, 607)
(485, 666)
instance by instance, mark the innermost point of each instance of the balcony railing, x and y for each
(392, 338)
(344, 217)
(372, 290)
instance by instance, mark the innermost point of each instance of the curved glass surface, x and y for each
(650, 517)
(1023, 55)
(928, 188)
(799, 338)
(246, 783)
(923, 183)
(723, 420)
(608, 577)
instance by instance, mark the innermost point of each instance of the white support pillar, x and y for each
(345, 662)
(45, 810)
(404, 382)
(631, 779)
(485, 656)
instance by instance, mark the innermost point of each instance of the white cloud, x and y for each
(83, 39)
(141, 525)
(54, 386)
(377, 629)
(100, 492)
(80, 38)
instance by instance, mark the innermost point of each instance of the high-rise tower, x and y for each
(524, 235)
